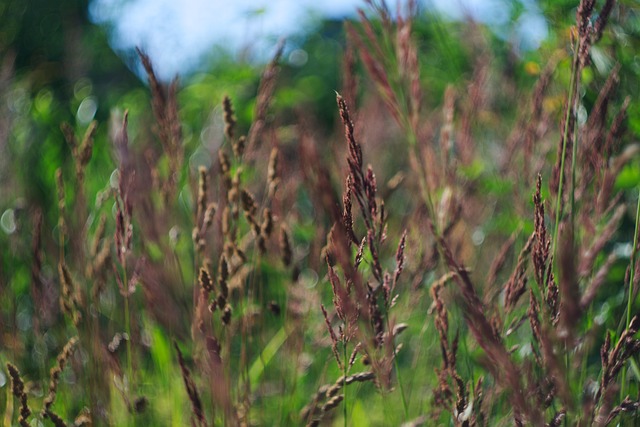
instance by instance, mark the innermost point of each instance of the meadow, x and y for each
(422, 226)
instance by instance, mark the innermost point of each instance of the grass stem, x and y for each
(127, 327)
(405, 405)
(345, 367)
(632, 267)
(573, 87)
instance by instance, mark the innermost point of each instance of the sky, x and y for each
(177, 34)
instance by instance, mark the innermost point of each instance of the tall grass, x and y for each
(440, 255)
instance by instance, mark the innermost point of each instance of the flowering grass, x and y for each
(434, 255)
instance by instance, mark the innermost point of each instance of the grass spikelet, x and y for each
(557, 419)
(601, 21)
(69, 301)
(226, 314)
(272, 168)
(225, 169)
(443, 395)
(99, 266)
(286, 252)
(542, 243)
(263, 98)
(226, 222)
(81, 151)
(347, 214)
(56, 371)
(209, 213)
(517, 283)
(204, 212)
(229, 119)
(169, 129)
(626, 406)
(613, 360)
(239, 145)
(83, 419)
(202, 192)
(375, 315)
(233, 197)
(266, 228)
(98, 236)
(62, 228)
(377, 268)
(223, 276)
(363, 185)
(332, 403)
(249, 204)
(400, 259)
(198, 418)
(205, 280)
(355, 152)
(55, 418)
(223, 161)
(221, 301)
(315, 411)
(17, 388)
(124, 226)
(552, 296)
(85, 150)
(332, 334)
(272, 172)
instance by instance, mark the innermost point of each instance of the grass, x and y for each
(449, 256)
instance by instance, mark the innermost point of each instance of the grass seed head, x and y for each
(17, 388)
(229, 119)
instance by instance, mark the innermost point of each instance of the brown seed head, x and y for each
(285, 246)
(17, 388)
(229, 120)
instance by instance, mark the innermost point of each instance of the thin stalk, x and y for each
(397, 367)
(424, 185)
(583, 371)
(573, 87)
(385, 411)
(572, 91)
(465, 347)
(572, 202)
(196, 272)
(61, 245)
(127, 325)
(633, 256)
(211, 396)
(405, 405)
(632, 267)
(344, 380)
